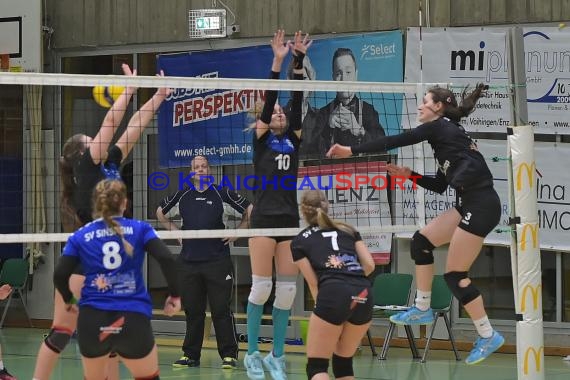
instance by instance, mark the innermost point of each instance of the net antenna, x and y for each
(421, 47)
(207, 23)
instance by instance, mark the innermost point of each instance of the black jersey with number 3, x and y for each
(460, 164)
(331, 252)
(276, 163)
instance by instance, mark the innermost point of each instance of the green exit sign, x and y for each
(208, 23)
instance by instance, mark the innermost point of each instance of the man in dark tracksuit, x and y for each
(205, 266)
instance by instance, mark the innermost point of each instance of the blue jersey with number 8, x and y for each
(113, 279)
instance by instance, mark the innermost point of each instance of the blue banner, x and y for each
(214, 123)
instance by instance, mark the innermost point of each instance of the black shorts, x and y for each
(100, 332)
(78, 269)
(277, 221)
(341, 301)
(480, 211)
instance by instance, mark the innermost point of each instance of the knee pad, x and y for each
(342, 366)
(285, 290)
(260, 289)
(421, 249)
(316, 365)
(58, 339)
(463, 294)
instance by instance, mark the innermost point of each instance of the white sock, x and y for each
(1, 365)
(484, 327)
(423, 300)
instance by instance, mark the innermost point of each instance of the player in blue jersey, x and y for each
(84, 162)
(275, 158)
(115, 308)
(335, 263)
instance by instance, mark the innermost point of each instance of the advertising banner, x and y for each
(213, 123)
(465, 56)
(550, 181)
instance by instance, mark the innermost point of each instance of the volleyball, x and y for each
(105, 96)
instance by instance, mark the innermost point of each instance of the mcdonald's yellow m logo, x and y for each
(535, 292)
(536, 355)
(533, 235)
(529, 170)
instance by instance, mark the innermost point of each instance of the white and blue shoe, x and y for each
(276, 366)
(484, 347)
(254, 365)
(413, 316)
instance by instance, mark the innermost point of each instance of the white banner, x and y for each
(547, 61)
(463, 56)
(552, 178)
(357, 194)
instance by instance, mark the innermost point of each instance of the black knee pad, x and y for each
(342, 366)
(316, 365)
(421, 249)
(57, 339)
(463, 294)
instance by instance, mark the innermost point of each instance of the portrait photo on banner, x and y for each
(213, 122)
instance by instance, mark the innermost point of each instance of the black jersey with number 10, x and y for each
(276, 163)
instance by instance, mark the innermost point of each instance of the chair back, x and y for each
(392, 289)
(441, 296)
(14, 273)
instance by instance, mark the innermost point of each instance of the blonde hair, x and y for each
(254, 114)
(108, 197)
(315, 207)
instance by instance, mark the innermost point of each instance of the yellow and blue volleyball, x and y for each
(105, 96)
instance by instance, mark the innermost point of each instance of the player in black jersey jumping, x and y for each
(84, 162)
(276, 160)
(463, 167)
(335, 263)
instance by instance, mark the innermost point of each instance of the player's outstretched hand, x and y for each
(339, 151)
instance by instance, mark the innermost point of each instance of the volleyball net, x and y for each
(210, 117)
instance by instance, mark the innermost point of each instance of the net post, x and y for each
(525, 244)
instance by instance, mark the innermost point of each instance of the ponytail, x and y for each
(108, 198)
(451, 109)
(314, 207)
(71, 151)
(325, 222)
